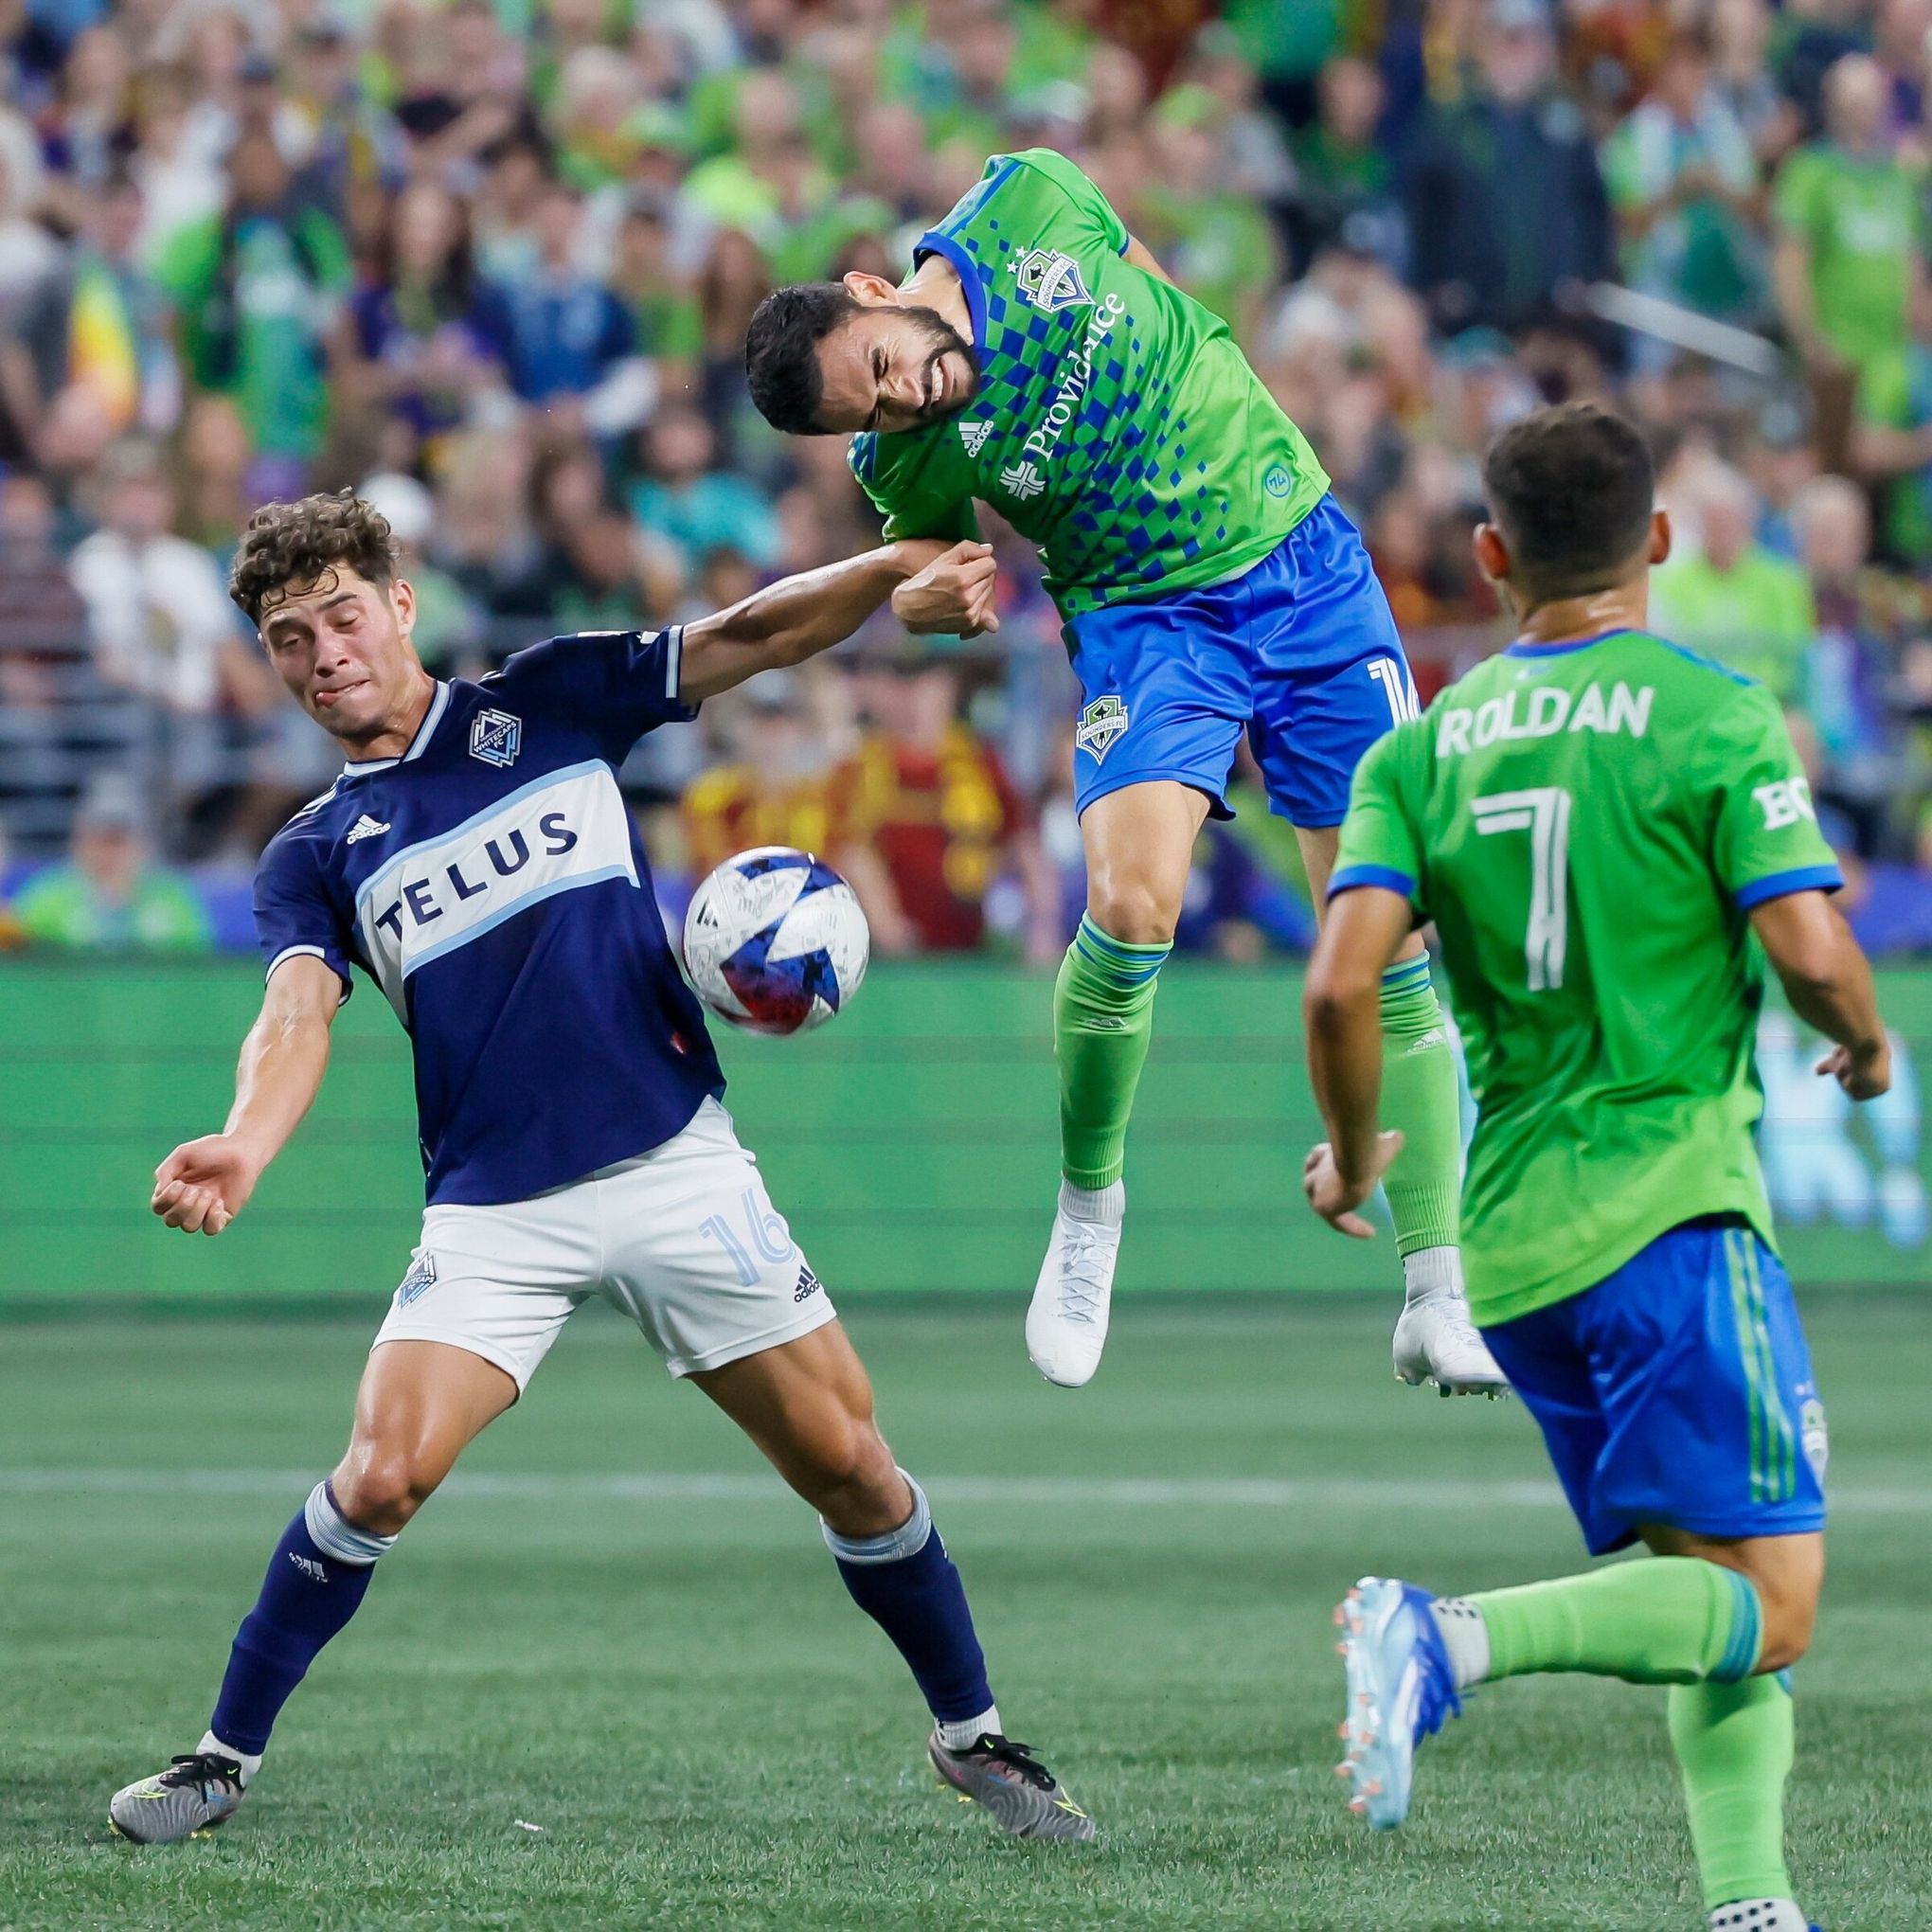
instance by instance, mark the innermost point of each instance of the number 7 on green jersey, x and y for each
(1544, 813)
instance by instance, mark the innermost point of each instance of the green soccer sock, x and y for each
(1661, 1620)
(1102, 1020)
(1734, 1743)
(1418, 1096)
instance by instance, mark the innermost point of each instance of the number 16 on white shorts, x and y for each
(684, 1240)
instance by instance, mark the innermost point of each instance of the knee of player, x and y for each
(380, 1488)
(855, 1483)
(1788, 1623)
(1788, 1603)
(1133, 909)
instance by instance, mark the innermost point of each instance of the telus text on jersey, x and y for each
(418, 895)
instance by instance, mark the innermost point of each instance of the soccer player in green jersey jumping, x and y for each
(1609, 834)
(1037, 360)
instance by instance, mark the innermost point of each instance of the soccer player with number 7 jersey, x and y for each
(1036, 359)
(1610, 835)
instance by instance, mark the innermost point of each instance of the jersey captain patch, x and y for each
(1051, 281)
(495, 737)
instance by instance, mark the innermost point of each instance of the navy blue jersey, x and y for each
(491, 883)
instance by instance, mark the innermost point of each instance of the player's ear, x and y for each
(1662, 537)
(1491, 552)
(403, 602)
(870, 291)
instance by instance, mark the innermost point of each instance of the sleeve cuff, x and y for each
(677, 709)
(1350, 877)
(1778, 884)
(287, 952)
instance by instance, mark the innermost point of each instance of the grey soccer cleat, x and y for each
(1012, 1785)
(188, 1800)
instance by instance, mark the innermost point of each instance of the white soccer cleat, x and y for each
(1066, 1324)
(1437, 1343)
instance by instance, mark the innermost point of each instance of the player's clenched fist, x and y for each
(203, 1183)
(952, 596)
(1864, 1075)
(1333, 1196)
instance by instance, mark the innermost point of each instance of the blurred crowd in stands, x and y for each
(491, 262)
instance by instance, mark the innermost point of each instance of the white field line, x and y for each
(1020, 1491)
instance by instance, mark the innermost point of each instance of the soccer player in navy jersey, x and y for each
(476, 859)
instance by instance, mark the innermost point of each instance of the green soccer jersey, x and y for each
(1116, 425)
(1588, 825)
(1863, 219)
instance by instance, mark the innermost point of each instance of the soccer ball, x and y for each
(775, 941)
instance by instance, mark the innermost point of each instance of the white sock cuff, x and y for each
(1759, 1915)
(1432, 1271)
(1466, 1636)
(1108, 1203)
(960, 1734)
(895, 1545)
(211, 1746)
(336, 1535)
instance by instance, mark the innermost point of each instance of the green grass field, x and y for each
(616, 1628)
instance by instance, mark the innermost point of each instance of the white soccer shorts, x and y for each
(684, 1240)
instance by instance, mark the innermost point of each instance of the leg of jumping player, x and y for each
(808, 1406)
(1435, 1340)
(420, 1406)
(1139, 845)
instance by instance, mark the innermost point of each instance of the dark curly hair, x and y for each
(291, 546)
(781, 352)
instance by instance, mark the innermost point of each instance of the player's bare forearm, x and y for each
(1342, 1012)
(1828, 980)
(203, 1183)
(798, 617)
(283, 1059)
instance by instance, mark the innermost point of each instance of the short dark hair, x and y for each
(781, 352)
(288, 545)
(1573, 488)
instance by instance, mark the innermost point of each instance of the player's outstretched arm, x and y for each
(1342, 1010)
(203, 1183)
(799, 617)
(1828, 980)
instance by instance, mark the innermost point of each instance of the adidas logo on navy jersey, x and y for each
(365, 827)
(809, 1285)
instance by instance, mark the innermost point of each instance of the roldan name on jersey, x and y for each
(564, 831)
(1547, 712)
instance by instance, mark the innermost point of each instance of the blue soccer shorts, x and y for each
(1677, 1390)
(1302, 653)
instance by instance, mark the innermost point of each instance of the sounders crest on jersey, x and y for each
(775, 941)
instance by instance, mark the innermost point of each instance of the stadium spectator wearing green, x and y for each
(1851, 228)
(1734, 600)
(1684, 182)
(257, 290)
(107, 896)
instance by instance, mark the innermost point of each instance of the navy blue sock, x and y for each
(316, 1578)
(905, 1583)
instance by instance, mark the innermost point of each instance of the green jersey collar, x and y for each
(933, 243)
(1522, 647)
